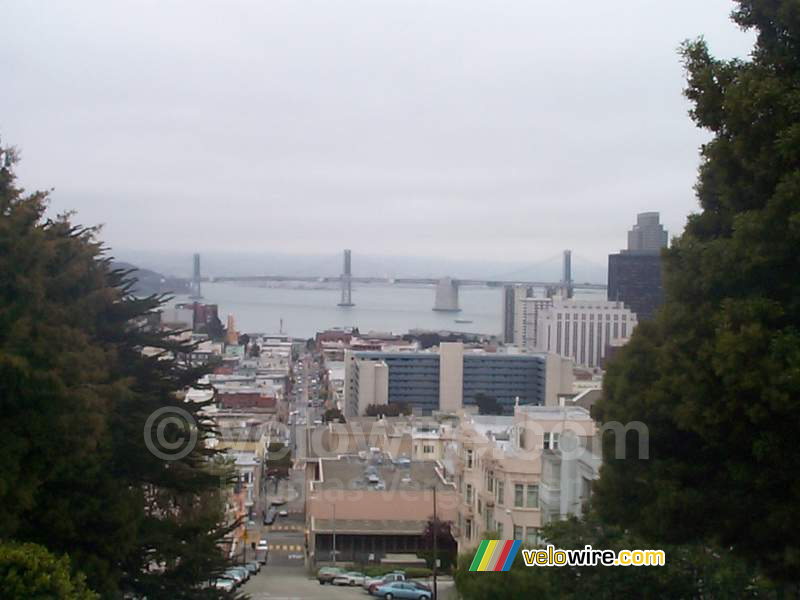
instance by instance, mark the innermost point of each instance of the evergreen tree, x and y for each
(77, 473)
(30, 571)
(716, 376)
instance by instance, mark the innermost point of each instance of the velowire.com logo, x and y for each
(495, 555)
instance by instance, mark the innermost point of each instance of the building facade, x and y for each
(513, 478)
(634, 274)
(451, 378)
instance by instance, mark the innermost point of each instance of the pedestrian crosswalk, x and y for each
(285, 548)
(285, 528)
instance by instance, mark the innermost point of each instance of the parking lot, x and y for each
(275, 583)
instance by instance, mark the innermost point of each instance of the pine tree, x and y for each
(76, 392)
(716, 376)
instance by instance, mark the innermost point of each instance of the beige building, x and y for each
(511, 477)
(373, 506)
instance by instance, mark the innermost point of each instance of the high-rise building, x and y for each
(512, 315)
(451, 378)
(583, 329)
(634, 275)
(648, 235)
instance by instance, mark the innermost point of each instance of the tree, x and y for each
(30, 571)
(80, 470)
(488, 405)
(446, 545)
(279, 459)
(395, 409)
(333, 414)
(716, 376)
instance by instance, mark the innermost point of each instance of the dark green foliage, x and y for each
(75, 393)
(716, 377)
(279, 459)
(29, 571)
(689, 571)
(333, 414)
(446, 545)
(394, 409)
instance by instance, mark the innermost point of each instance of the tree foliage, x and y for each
(30, 571)
(395, 409)
(716, 376)
(76, 392)
(691, 571)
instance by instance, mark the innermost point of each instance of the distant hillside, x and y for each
(149, 282)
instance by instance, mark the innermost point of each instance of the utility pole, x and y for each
(435, 547)
(334, 534)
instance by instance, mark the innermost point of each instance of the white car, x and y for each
(349, 578)
(224, 584)
(283, 513)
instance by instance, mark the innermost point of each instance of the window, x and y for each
(427, 449)
(489, 483)
(519, 492)
(480, 506)
(531, 536)
(469, 493)
(469, 459)
(499, 528)
(533, 495)
(550, 440)
(517, 532)
(501, 492)
(468, 529)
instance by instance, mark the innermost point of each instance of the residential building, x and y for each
(512, 477)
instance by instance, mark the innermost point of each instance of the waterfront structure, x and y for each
(634, 274)
(449, 379)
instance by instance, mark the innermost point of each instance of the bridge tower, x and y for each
(446, 296)
(566, 275)
(346, 282)
(196, 292)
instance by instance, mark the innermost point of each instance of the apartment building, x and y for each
(513, 478)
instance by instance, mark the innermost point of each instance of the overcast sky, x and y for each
(450, 128)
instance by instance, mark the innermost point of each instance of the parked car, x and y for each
(224, 584)
(401, 590)
(349, 578)
(269, 518)
(238, 574)
(326, 574)
(262, 551)
(373, 583)
(283, 513)
(253, 566)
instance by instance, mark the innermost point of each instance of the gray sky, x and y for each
(449, 128)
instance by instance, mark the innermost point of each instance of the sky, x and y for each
(459, 130)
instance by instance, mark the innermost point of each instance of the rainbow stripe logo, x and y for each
(495, 555)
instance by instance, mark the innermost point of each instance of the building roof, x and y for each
(368, 526)
(381, 473)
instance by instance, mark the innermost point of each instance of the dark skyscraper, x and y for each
(634, 275)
